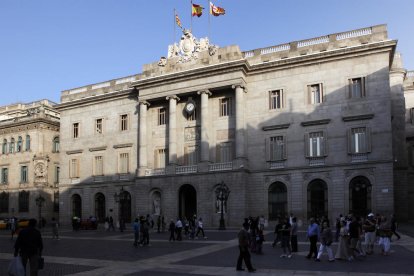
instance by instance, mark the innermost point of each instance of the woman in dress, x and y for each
(343, 246)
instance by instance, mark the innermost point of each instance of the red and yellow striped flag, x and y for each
(196, 10)
(216, 11)
(178, 21)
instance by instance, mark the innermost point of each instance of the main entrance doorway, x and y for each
(187, 201)
(360, 196)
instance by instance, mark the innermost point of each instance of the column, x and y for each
(172, 129)
(142, 138)
(240, 125)
(205, 148)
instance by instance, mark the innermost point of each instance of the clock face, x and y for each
(189, 107)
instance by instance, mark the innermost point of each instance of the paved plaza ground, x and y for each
(89, 252)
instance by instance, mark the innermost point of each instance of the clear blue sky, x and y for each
(47, 46)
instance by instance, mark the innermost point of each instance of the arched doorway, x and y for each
(277, 200)
(125, 207)
(360, 196)
(187, 201)
(100, 210)
(76, 206)
(317, 199)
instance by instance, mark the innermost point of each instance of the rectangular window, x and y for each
(315, 93)
(225, 107)
(316, 143)
(225, 152)
(124, 163)
(98, 126)
(98, 168)
(74, 168)
(191, 155)
(357, 88)
(124, 122)
(75, 130)
(359, 140)
(24, 201)
(161, 158)
(57, 173)
(24, 174)
(276, 99)
(162, 116)
(4, 175)
(277, 148)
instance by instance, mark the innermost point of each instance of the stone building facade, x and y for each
(310, 127)
(29, 160)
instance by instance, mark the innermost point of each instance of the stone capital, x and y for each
(172, 97)
(242, 86)
(206, 91)
(144, 103)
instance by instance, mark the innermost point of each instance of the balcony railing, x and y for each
(317, 161)
(225, 166)
(276, 164)
(186, 169)
(359, 157)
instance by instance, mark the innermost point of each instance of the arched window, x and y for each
(4, 202)
(56, 144)
(100, 209)
(11, 149)
(4, 147)
(19, 144)
(24, 201)
(277, 200)
(317, 199)
(76, 206)
(27, 142)
(360, 196)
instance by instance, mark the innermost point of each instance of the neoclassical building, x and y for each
(313, 127)
(29, 160)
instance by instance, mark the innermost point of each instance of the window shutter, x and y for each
(307, 145)
(368, 135)
(349, 140)
(284, 147)
(350, 88)
(268, 156)
(322, 93)
(283, 98)
(325, 143)
(218, 155)
(363, 87)
(309, 94)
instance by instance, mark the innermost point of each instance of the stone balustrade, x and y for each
(359, 157)
(225, 166)
(186, 169)
(410, 74)
(276, 165)
(317, 161)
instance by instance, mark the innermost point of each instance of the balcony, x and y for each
(317, 161)
(225, 166)
(276, 165)
(359, 157)
(186, 169)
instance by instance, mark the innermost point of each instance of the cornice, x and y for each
(316, 122)
(90, 100)
(275, 127)
(69, 152)
(23, 126)
(128, 145)
(357, 117)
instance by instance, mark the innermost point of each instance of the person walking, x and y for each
(244, 255)
(354, 233)
(136, 229)
(111, 224)
(179, 229)
(394, 226)
(171, 228)
(294, 235)
(385, 233)
(29, 245)
(313, 236)
(13, 226)
(200, 228)
(285, 232)
(369, 228)
(55, 229)
(343, 247)
(326, 241)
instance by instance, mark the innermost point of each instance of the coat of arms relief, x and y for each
(188, 48)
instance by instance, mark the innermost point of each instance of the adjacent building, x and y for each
(29, 160)
(312, 127)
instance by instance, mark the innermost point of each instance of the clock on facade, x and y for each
(189, 107)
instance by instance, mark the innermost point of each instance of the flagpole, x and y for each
(174, 34)
(191, 16)
(209, 34)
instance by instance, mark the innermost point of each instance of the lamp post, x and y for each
(39, 203)
(222, 194)
(120, 199)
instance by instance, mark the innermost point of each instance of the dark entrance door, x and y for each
(76, 206)
(277, 200)
(360, 196)
(317, 199)
(125, 207)
(100, 211)
(187, 201)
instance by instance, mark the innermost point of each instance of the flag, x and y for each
(178, 21)
(197, 10)
(216, 11)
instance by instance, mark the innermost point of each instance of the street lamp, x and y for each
(222, 194)
(120, 199)
(39, 202)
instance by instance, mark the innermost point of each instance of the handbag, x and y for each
(41, 263)
(16, 267)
